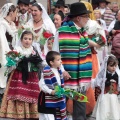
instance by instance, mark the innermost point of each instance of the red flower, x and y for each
(13, 54)
(76, 97)
(82, 98)
(47, 34)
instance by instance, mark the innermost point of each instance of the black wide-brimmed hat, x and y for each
(26, 2)
(60, 3)
(78, 8)
(100, 1)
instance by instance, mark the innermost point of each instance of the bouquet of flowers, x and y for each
(99, 39)
(72, 94)
(12, 57)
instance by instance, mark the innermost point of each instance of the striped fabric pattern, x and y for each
(109, 16)
(53, 101)
(76, 55)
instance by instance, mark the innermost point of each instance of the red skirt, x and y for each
(28, 92)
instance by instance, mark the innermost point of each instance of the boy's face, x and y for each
(57, 62)
(111, 68)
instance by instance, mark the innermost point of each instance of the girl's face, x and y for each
(49, 44)
(14, 14)
(111, 68)
(66, 10)
(36, 13)
(57, 20)
(57, 62)
(27, 40)
(97, 15)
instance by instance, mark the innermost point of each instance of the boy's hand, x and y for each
(53, 92)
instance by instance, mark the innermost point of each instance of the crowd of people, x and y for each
(68, 48)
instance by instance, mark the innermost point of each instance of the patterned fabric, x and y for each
(28, 92)
(25, 90)
(109, 16)
(53, 101)
(76, 55)
(23, 18)
(17, 109)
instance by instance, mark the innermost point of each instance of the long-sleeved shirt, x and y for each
(42, 84)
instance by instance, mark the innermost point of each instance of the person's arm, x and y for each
(56, 43)
(116, 27)
(93, 44)
(56, 48)
(44, 87)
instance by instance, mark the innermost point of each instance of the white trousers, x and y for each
(46, 116)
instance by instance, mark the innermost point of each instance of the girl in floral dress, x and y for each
(21, 94)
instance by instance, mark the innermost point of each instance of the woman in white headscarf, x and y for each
(7, 36)
(39, 23)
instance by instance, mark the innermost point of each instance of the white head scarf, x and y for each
(20, 48)
(101, 76)
(46, 50)
(5, 9)
(47, 21)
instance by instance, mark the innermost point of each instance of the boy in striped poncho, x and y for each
(50, 106)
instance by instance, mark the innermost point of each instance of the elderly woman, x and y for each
(40, 24)
(7, 34)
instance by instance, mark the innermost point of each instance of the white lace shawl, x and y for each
(101, 76)
(5, 9)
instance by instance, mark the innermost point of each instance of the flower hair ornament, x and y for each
(101, 76)
(5, 9)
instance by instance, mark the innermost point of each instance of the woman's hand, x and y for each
(93, 44)
(113, 31)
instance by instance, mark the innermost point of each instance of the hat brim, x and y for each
(81, 13)
(59, 5)
(102, 2)
(24, 2)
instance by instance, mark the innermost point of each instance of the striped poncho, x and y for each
(51, 101)
(76, 55)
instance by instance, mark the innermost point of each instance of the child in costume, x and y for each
(22, 91)
(108, 80)
(50, 106)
